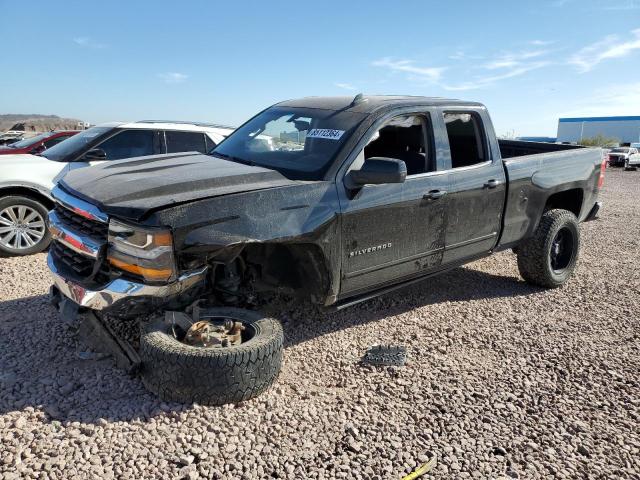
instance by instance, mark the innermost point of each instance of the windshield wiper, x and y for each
(233, 159)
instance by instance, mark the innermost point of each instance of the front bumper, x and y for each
(120, 292)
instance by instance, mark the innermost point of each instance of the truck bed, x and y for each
(538, 171)
(519, 148)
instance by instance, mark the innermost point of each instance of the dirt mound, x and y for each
(33, 123)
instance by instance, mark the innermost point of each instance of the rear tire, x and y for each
(32, 236)
(212, 376)
(549, 257)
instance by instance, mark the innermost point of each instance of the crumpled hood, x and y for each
(132, 188)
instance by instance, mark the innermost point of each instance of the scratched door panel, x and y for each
(475, 211)
(391, 231)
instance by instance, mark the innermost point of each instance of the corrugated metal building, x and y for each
(625, 129)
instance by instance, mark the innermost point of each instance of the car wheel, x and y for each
(549, 257)
(23, 229)
(212, 375)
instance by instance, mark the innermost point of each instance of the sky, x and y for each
(528, 62)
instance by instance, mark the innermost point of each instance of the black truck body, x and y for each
(240, 226)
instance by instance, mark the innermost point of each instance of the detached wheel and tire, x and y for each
(549, 257)
(183, 373)
(23, 229)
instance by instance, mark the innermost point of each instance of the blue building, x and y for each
(625, 129)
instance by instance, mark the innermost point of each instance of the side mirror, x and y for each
(94, 155)
(378, 170)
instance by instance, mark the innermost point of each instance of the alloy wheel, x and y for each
(21, 227)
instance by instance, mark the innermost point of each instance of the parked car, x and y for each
(26, 180)
(633, 161)
(37, 144)
(7, 138)
(367, 195)
(618, 157)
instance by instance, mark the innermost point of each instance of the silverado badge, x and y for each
(377, 248)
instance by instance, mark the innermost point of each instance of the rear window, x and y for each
(466, 140)
(185, 142)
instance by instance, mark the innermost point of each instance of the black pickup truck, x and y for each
(334, 200)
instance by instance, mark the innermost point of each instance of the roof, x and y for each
(169, 125)
(372, 103)
(600, 119)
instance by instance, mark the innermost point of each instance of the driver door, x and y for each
(392, 232)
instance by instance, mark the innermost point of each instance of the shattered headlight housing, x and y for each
(145, 252)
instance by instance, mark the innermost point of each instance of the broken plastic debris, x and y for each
(386, 355)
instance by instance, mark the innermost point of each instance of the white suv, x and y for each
(26, 180)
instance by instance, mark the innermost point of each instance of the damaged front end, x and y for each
(105, 265)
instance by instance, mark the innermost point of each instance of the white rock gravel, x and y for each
(503, 381)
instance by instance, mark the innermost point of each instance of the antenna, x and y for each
(359, 98)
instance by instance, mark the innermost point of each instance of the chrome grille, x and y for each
(80, 264)
(96, 230)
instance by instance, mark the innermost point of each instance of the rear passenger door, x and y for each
(182, 141)
(477, 185)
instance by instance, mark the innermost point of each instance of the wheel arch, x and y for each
(570, 199)
(27, 191)
(301, 268)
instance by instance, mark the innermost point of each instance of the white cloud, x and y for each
(497, 68)
(345, 86)
(487, 81)
(504, 66)
(87, 42)
(173, 77)
(513, 60)
(428, 74)
(541, 43)
(612, 46)
(615, 99)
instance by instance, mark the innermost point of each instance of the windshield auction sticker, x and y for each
(327, 133)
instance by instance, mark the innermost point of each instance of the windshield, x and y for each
(27, 142)
(620, 150)
(74, 144)
(300, 143)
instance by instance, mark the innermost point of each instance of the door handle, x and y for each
(493, 183)
(434, 194)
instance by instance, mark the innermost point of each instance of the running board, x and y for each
(351, 301)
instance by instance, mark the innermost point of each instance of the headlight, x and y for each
(145, 252)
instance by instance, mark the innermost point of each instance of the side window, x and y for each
(55, 141)
(466, 140)
(403, 138)
(127, 144)
(185, 142)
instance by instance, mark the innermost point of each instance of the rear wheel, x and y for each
(23, 229)
(549, 257)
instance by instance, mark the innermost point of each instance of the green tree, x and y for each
(599, 141)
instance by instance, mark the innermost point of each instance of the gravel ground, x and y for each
(503, 381)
